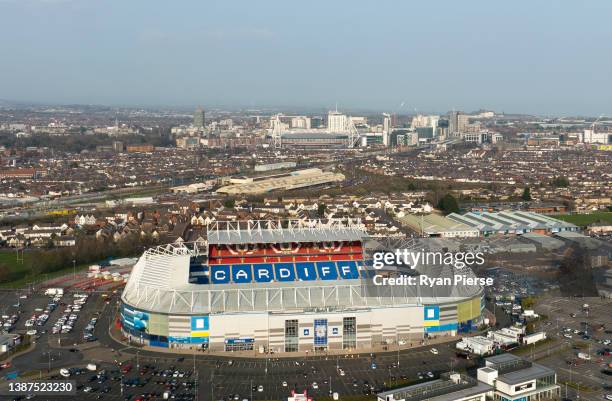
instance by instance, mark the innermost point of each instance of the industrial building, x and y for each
(293, 180)
(599, 252)
(284, 287)
(504, 377)
(512, 222)
(433, 225)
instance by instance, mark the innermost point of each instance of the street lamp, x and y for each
(398, 347)
(74, 269)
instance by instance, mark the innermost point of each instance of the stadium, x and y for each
(283, 287)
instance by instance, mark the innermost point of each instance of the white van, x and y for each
(584, 356)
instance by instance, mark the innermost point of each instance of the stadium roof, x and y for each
(266, 232)
(266, 236)
(314, 135)
(160, 283)
(294, 180)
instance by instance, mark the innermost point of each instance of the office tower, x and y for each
(394, 120)
(462, 122)
(198, 118)
(316, 122)
(453, 123)
(337, 122)
(118, 146)
(386, 129)
(300, 122)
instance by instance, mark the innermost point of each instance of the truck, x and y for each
(534, 338)
(584, 356)
(54, 291)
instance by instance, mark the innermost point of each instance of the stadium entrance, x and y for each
(239, 344)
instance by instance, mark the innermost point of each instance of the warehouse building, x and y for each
(434, 225)
(544, 241)
(512, 222)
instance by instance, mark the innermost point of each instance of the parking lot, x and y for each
(255, 379)
(128, 372)
(579, 330)
(216, 378)
(38, 313)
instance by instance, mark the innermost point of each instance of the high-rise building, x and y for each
(453, 123)
(462, 122)
(422, 121)
(394, 120)
(300, 122)
(386, 129)
(199, 118)
(337, 122)
(316, 122)
(118, 146)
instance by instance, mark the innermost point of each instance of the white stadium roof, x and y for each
(260, 232)
(160, 283)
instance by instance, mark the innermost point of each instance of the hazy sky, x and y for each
(550, 57)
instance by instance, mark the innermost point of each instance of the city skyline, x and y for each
(521, 58)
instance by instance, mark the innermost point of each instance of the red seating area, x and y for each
(274, 253)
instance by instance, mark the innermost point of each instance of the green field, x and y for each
(21, 274)
(16, 268)
(585, 219)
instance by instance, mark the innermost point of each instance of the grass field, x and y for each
(585, 219)
(20, 271)
(15, 267)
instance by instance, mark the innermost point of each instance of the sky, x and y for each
(523, 56)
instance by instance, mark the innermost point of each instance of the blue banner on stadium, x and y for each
(284, 272)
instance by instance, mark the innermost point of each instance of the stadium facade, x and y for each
(283, 287)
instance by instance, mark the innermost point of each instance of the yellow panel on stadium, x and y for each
(468, 310)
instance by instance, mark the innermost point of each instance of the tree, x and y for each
(448, 204)
(530, 328)
(321, 208)
(560, 182)
(527, 302)
(526, 194)
(229, 203)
